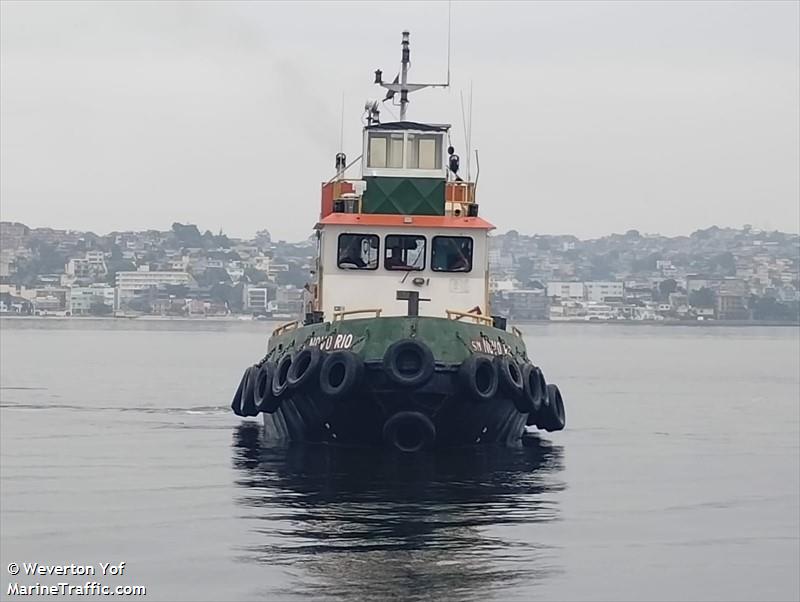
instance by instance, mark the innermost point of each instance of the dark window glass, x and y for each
(358, 252)
(451, 254)
(404, 252)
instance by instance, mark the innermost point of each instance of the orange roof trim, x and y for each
(395, 221)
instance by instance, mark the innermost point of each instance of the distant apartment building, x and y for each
(666, 268)
(50, 299)
(527, 304)
(500, 260)
(97, 258)
(131, 284)
(599, 311)
(497, 285)
(695, 282)
(602, 292)
(276, 268)
(78, 268)
(92, 264)
(256, 299)
(732, 300)
(638, 294)
(566, 290)
(732, 307)
(288, 301)
(178, 265)
(84, 300)
(732, 287)
(260, 262)
(595, 291)
(567, 310)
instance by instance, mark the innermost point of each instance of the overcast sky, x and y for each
(589, 118)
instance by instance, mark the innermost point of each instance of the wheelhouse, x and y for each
(405, 149)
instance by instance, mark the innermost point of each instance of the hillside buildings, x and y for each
(713, 274)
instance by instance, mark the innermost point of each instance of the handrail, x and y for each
(463, 314)
(339, 315)
(516, 331)
(285, 327)
(460, 192)
(353, 162)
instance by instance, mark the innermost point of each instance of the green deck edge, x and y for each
(451, 341)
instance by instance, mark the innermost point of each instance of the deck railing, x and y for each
(338, 316)
(285, 327)
(453, 314)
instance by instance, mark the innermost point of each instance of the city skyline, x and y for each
(716, 274)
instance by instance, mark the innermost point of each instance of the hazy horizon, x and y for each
(591, 118)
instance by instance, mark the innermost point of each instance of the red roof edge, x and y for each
(408, 221)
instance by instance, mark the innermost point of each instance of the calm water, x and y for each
(677, 476)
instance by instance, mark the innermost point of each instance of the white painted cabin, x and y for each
(366, 259)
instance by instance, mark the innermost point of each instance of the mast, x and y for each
(406, 59)
(401, 84)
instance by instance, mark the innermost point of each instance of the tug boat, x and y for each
(398, 346)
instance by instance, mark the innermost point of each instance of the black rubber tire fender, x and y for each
(477, 376)
(236, 402)
(340, 374)
(265, 400)
(554, 417)
(510, 375)
(529, 402)
(248, 403)
(409, 432)
(280, 382)
(305, 368)
(408, 363)
(534, 392)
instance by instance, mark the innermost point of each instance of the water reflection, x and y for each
(367, 525)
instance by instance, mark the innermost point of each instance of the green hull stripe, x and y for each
(450, 341)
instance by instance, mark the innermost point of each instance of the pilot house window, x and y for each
(404, 253)
(358, 252)
(385, 150)
(451, 254)
(424, 151)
